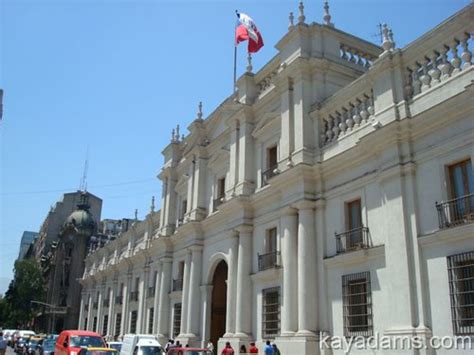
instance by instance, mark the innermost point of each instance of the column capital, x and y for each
(288, 211)
(320, 203)
(195, 248)
(206, 288)
(305, 205)
(166, 259)
(244, 228)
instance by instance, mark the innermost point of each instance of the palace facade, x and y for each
(330, 195)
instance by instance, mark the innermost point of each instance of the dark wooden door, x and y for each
(219, 302)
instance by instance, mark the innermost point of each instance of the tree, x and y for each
(27, 285)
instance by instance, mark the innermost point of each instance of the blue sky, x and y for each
(116, 76)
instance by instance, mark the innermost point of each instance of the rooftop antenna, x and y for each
(379, 33)
(83, 184)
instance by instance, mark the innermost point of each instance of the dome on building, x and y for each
(80, 221)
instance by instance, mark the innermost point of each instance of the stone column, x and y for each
(164, 308)
(142, 296)
(287, 122)
(164, 191)
(113, 293)
(194, 293)
(206, 299)
(125, 301)
(246, 159)
(243, 326)
(156, 300)
(185, 295)
(231, 287)
(234, 162)
(190, 196)
(323, 309)
(289, 309)
(81, 312)
(307, 266)
(303, 123)
(89, 312)
(100, 310)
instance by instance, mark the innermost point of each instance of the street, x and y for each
(10, 351)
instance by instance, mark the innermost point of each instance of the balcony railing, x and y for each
(106, 302)
(354, 239)
(86, 307)
(177, 284)
(268, 174)
(217, 202)
(118, 300)
(269, 260)
(95, 305)
(151, 292)
(456, 211)
(134, 296)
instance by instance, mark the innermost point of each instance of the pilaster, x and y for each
(185, 296)
(246, 158)
(164, 304)
(234, 157)
(231, 287)
(194, 293)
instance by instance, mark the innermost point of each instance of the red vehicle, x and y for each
(70, 342)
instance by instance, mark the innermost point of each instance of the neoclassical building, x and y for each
(330, 195)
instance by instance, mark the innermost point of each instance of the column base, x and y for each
(298, 345)
(162, 339)
(423, 333)
(189, 339)
(236, 341)
(302, 156)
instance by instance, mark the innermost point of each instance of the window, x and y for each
(271, 313)
(271, 240)
(118, 324)
(105, 324)
(461, 289)
(221, 187)
(86, 321)
(354, 224)
(177, 319)
(272, 160)
(184, 207)
(357, 304)
(461, 179)
(133, 321)
(94, 325)
(151, 315)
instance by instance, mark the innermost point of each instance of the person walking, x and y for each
(210, 346)
(227, 350)
(268, 350)
(276, 351)
(243, 349)
(253, 349)
(3, 344)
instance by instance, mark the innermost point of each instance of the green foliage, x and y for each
(16, 308)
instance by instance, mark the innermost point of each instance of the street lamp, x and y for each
(53, 308)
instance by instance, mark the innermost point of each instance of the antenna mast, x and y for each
(83, 184)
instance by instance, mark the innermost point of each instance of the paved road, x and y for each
(10, 351)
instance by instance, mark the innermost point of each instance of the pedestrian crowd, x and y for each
(269, 349)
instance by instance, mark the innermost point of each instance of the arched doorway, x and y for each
(219, 302)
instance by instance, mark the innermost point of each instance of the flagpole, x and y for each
(235, 68)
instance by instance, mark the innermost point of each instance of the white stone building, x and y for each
(331, 195)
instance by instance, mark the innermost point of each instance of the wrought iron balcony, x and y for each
(95, 305)
(354, 239)
(217, 202)
(268, 174)
(456, 211)
(106, 302)
(151, 292)
(134, 296)
(177, 284)
(269, 260)
(86, 307)
(118, 299)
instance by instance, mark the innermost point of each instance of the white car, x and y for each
(140, 344)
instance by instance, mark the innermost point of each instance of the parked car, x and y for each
(140, 344)
(70, 342)
(20, 344)
(117, 345)
(8, 336)
(98, 351)
(189, 351)
(33, 346)
(47, 347)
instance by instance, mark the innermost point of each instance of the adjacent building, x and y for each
(27, 240)
(332, 194)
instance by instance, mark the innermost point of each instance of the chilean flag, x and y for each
(246, 30)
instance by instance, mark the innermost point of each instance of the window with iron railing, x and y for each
(460, 208)
(271, 313)
(134, 296)
(461, 289)
(133, 321)
(354, 239)
(94, 325)
(220, 193)
(105, 324)
(151, 315)
(177, 284)
(118, 324)
(95, 305)
(268, 260)
(151, 292)
(86, 323)
(176, 319)
(271, 165)
(105, 302)
(118, 299)
(357, 305)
